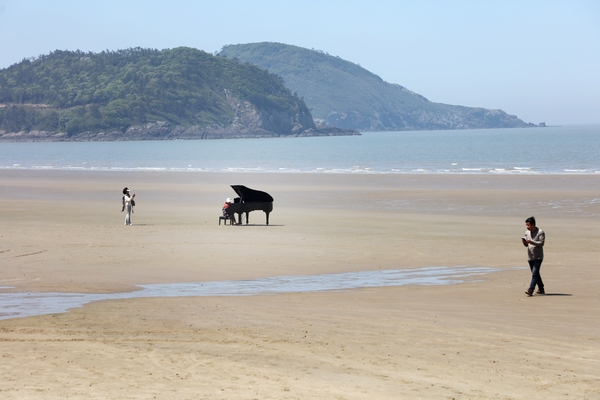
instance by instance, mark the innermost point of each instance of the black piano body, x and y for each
(250, 200)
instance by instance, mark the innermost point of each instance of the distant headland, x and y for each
(343, 94)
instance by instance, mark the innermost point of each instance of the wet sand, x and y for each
(63, 231)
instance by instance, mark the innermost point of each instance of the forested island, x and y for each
(343, 94)
(147, 94)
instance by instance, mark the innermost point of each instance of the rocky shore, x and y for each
(165, 131)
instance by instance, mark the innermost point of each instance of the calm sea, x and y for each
(552, 150)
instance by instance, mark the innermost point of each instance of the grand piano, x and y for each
(250, 200)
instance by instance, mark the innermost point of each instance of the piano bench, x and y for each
(224, 219)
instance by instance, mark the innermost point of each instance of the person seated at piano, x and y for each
(226, 212)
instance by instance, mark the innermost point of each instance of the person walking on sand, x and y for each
(534, 241)
(128, 203)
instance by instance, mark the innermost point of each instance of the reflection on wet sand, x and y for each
(17, 305)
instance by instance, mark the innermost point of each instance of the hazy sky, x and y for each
(539, 60)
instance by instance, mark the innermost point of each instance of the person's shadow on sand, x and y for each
(556, 294)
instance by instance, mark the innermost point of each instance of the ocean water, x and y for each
(552, 150)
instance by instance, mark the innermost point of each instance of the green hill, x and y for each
(145, 94)
(346, 95)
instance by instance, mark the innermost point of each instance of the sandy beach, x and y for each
(62, 231)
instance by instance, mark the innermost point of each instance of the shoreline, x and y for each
(157, 172)
(320, 171)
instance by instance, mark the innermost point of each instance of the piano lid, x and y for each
(248, 195)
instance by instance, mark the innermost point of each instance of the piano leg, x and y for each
(267, 217)
(241, 216)
(247, 219)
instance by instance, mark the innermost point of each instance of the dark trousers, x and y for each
(536, 278)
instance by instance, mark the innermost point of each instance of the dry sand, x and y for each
(62, 231)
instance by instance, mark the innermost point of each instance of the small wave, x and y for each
(244, 169)
(356, 169)
(151, 169)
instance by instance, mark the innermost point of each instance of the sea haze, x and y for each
(552, 150)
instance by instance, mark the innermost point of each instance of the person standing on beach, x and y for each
(128, 203)
(534, 241)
